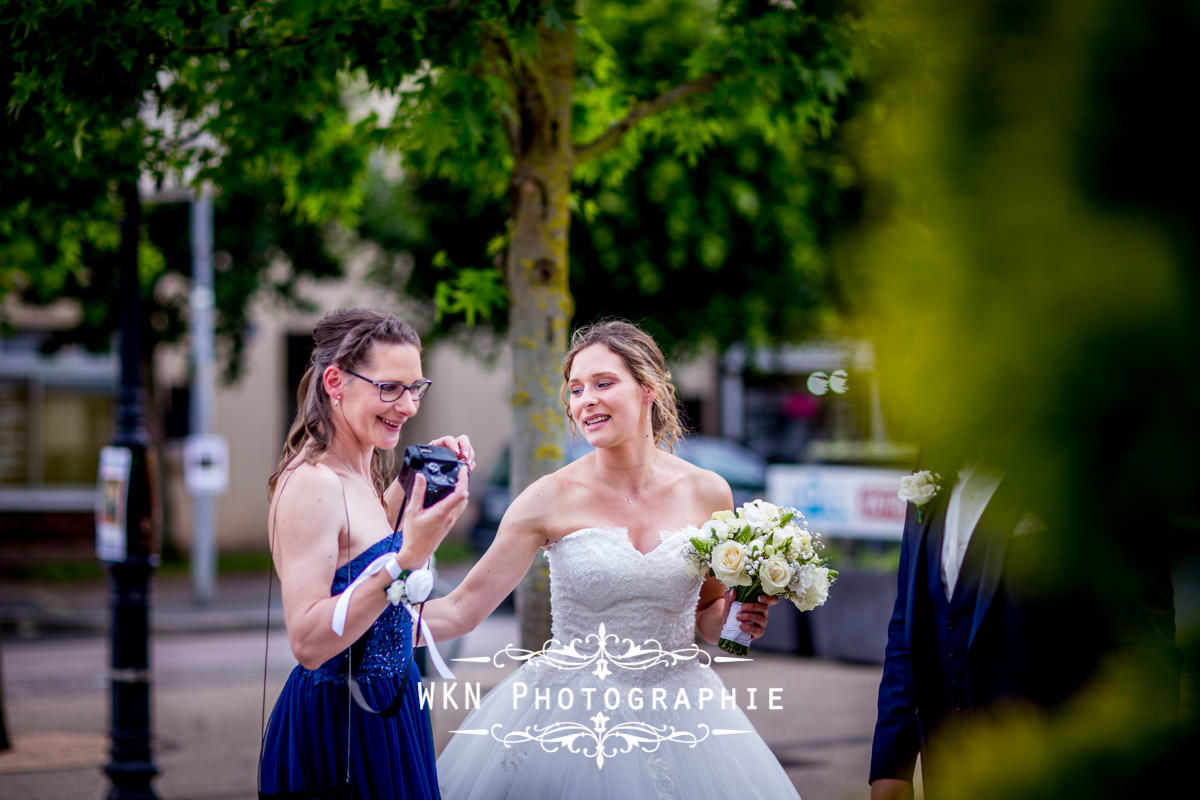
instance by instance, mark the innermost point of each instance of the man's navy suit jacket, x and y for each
(1028, 639)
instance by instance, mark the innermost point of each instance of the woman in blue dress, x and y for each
(333, 512)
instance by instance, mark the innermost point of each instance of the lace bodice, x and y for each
(598, 576)
(386, 647)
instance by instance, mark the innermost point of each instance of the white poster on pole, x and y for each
(112, 501)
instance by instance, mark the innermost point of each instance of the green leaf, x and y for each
(473, 293)
(77, 141)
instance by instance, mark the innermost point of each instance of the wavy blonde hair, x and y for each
(342, 339)
(644, 360)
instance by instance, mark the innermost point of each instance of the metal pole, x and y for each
(202, 301)
(733, 402)
(132, 766)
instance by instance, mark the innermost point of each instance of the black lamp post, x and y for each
(130, 543)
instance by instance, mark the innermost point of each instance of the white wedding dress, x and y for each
(622, 704)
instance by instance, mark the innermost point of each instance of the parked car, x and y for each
(744, 469)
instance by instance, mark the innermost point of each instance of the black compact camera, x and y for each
(439, 465)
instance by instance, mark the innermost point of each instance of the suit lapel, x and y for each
(992, 532)
(935, 521)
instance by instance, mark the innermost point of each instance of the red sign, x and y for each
(882, 504)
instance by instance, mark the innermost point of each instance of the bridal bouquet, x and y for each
(759, 549)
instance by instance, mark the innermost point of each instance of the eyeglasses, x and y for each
(391, 392)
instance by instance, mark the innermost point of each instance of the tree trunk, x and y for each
(539, 295)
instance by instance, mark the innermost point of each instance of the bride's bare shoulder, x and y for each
(539, 507)
(705, 487)
(558, 503)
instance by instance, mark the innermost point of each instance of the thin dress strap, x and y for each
(349, 651)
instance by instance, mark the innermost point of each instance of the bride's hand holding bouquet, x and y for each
(760, 549)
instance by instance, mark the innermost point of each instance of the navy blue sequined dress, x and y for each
(390, 757)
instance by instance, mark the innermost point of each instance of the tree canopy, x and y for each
(543, 109)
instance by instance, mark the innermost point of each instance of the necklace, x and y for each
(356, 473)
(628, 498)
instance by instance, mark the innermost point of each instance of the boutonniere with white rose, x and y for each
(759, 549)
(918, 489)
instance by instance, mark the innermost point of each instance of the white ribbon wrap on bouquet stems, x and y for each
(732, 629)
(343, 608)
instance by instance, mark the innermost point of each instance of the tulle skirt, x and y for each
(668, 750)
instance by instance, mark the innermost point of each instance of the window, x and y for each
(56, 413)
(76, 423)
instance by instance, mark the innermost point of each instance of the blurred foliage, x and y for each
(283, 106)
(863, 555)
(94, 98)
(1026, 269)
(732, 250)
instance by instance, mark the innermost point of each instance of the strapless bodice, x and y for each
(386, 648)
(598, 577)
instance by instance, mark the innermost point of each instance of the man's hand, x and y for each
(891, 789)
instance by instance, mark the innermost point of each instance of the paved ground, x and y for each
(208, 683)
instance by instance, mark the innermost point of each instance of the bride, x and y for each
(623, 703)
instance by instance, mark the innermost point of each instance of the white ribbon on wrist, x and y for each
(434, 655)
(342, 608)
(732, 630)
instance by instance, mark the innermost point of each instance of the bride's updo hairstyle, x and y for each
(342, 339)
(645, 362)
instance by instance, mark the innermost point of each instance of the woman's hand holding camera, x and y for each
(460, 445)
(425, 527)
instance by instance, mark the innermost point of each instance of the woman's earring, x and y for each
(336, 401)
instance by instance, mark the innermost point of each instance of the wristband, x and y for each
(394, 569)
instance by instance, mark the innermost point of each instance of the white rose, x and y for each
(802, 547)
(693, 564)
(729, 563)
(801, 579)
(918, 488)
(792, 529)
(774, 574)
(723, 516)
(761, 515)
(395, 592)
(715, 529)
(820, 585)
(811, 587)
(778, 537)
(801, 603)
